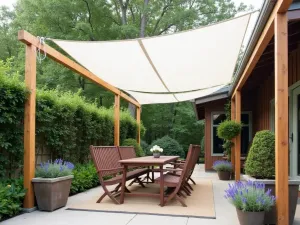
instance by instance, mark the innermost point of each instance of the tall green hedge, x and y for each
(66, 124)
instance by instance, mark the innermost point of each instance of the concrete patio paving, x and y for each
(225, 213)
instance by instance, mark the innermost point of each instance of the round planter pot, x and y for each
(224, 175)
(250, 218)
(156, 154)
(271, 216)
(52, 193)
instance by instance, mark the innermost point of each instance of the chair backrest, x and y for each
(188, 164)
(106, 158)
(127, 152)
(196, 156)
(194, 160)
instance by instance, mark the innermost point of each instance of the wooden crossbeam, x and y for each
(29, 39)
(265, 37)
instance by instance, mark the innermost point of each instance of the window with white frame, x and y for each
(246, 134)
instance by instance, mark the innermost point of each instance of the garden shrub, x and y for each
(228, 129)
(85, 177)
(66, 124)
(260, 161)
(12, 99)
(11, 197)
(144, 145)
(202, 152)
(169, 145)
(132, 142)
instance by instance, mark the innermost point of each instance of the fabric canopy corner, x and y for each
(168, 68)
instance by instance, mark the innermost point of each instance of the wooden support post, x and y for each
(238, 138)
(29, 125)
(233, 140)
(138, 120)
(281, 118)
(117, 121)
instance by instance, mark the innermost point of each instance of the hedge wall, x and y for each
(66, 124)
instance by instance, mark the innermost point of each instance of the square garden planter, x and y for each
(52, 193)
(270, 217)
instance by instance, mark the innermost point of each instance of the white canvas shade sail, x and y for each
(155, 70)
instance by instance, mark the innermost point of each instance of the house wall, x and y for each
(256, 99)
(265, 92)
(216, 106)
(209, 108)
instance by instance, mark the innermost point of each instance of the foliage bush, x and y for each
(11, 197)
(12, 98)
(66, 124)
(202, 152)
(260, 161)
(144, 145)
(169, 145)
(228, 129)
(85, 177)
(132, 142)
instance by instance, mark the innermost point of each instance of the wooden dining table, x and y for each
(147, 161)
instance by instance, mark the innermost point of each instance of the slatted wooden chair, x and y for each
(106, 160)
(177, 183)
(180, 164)
(128, 152)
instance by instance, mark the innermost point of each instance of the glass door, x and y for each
(295, 135)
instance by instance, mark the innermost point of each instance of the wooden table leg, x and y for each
(123, 185)
(152, 174)
(161, 186)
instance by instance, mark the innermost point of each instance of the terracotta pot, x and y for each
(52, 193)
(250, 218)
(224, 175)
(156, 154)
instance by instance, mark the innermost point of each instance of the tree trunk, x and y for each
(144, 19)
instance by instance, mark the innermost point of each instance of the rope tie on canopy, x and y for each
(42, 43)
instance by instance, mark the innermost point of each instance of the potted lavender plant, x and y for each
(251, 201)
(52, 184)
(224, 169)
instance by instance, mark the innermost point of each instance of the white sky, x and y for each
(256, 3)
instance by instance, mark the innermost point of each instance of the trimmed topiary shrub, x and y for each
(229, 129)
(169, 145)
(260, 162)
(132, 142)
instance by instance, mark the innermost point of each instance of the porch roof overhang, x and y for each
(267, 8)
(168, 68)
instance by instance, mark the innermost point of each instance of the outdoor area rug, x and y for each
(200, 204)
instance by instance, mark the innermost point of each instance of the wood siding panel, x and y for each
(265, 92)
(257, 100)
(209, 108)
